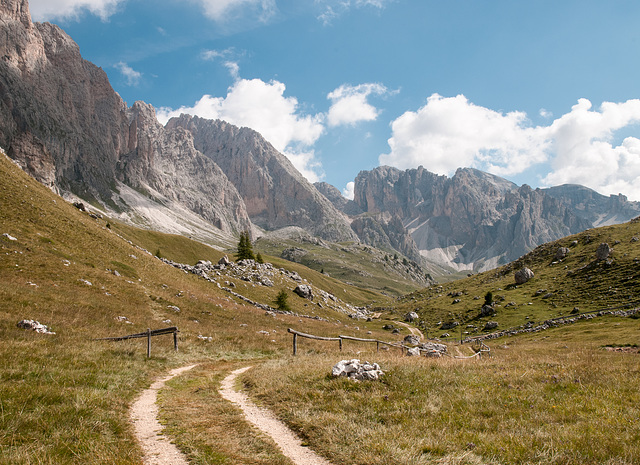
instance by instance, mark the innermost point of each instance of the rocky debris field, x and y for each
(267, 275)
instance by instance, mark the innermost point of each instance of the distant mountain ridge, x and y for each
(63, 123)
(475, 220)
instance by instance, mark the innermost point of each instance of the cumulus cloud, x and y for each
(132, 76)
(447, 133)
(225, 10)
(579, 146)
(263, 107)
(585, 152)
(348, 190)
(45, 10)
(350, 105)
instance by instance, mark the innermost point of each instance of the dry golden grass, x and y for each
(533, 403)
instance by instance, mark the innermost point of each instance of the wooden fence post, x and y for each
(340, 344)
(377, 346)
(295, 344)
(175, 340)
(148, 342)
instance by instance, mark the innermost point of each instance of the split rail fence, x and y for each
(482, 349)
(149, 333)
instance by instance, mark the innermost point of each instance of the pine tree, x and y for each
(281, 300)
(259, 258)
(245, 249)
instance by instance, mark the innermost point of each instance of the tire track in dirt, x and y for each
(158, 450)
(288, 442)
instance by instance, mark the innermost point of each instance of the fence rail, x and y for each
(339, 339)
(149, 333)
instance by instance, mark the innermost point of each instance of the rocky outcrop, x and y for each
(473, 220)
(275, 193)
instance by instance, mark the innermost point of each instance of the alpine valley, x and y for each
(62, 122)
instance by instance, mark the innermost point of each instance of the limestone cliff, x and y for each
(275, 193)
(471, 221)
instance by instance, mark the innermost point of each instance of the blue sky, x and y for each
(539, 92)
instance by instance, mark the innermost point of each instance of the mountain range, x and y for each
(63, 123)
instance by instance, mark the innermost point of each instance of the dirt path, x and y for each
(288, 442)
(413, 330)
(144, 415)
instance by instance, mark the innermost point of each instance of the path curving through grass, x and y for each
(288, 442)
(144, 415)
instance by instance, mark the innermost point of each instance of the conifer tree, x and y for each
(281, 300)
(245, 249)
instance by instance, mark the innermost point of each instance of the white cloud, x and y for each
(350, 106)
(545, 113)
(226, 56)
(348, 190)
(263, 107)
(585, 153)
(45, 10)
(226, 10)
(333, 9)
(132, 76)
(448, 133)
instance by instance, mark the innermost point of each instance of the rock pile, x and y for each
(355, 370)
(34, 325)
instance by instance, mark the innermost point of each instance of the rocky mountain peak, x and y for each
(17, 10)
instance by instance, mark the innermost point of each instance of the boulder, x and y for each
(523, 275)
(34, 325)
(224, 261)
(603, 251)
(449, 325)
(490, 325)
(413, 352)
(434, 347)
(411, 339)
(304, 291)
(561, 253)
(357, 371)
(487, 310)
(411, 317)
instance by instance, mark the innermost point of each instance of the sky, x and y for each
(543, 92)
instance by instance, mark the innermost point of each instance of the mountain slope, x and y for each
(472, 221)
(66, 126)
(276, 195)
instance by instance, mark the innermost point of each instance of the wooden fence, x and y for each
(339, 339)
(149, 333)
(483, 348)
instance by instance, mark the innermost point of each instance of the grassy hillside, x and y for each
(576, 284)
(64, 397)
(361, 265)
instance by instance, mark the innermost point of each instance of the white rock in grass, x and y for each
(9, 236)
(353, 369)
(34, 325)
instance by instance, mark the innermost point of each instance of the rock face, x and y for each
(473, 220)
(597, 209)
(61, 120)
(275, 193)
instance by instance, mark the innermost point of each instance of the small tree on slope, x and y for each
(245, 249)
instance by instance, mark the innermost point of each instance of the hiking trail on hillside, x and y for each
(288, 442)
(158, 450)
